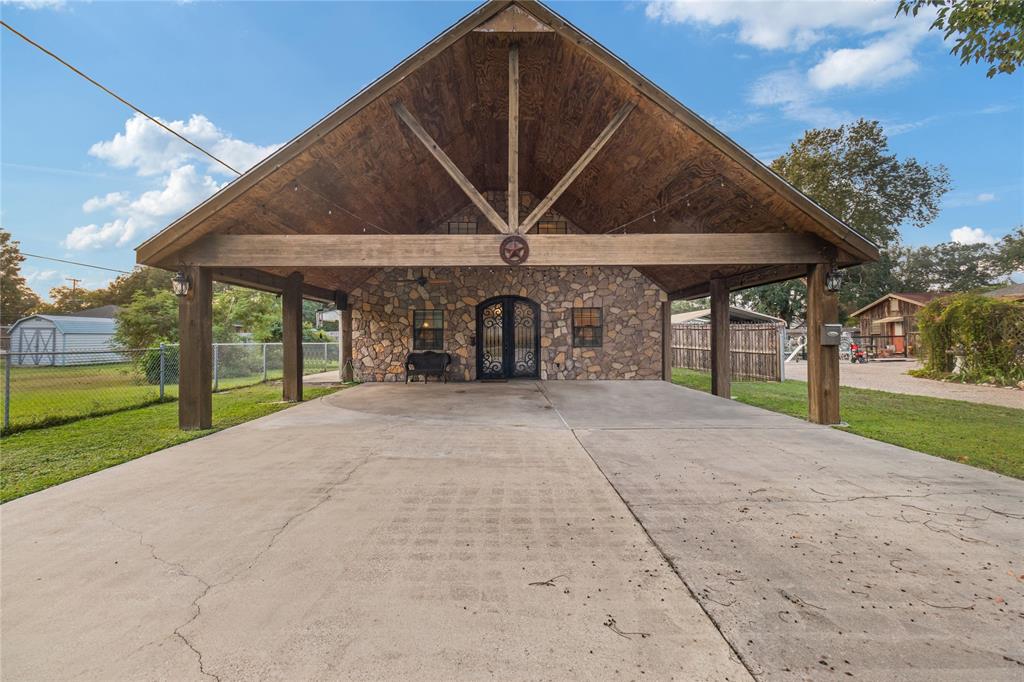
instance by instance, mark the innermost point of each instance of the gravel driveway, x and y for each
(892, 376)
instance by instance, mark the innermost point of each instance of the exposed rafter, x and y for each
(577, 168)
(457, 175)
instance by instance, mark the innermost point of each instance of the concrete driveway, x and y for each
(464, 531)
(891, 376)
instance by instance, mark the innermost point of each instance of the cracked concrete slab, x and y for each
(422, 532)
(819, 553)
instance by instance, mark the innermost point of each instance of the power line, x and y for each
(116, 96)
(71, 262)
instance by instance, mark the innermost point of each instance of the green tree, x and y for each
(1010, 251)
(950, 267)
(16, 298)
(990, 31)
(149, 319)
(851, 172)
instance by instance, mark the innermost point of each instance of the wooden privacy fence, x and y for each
(755, 349)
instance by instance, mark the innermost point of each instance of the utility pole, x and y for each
(74, 286)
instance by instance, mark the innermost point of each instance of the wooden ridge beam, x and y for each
(577, 168)
(457, 175)
(433, 250)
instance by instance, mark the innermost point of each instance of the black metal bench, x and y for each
(427, 363)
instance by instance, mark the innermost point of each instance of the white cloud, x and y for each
(107, 201)
(971, 235)
(776, 25)
(788, 90)
(151, 150)
(985, 197)
(181, 189)
(877, 63)
(180, 184)
(35, 4)
(40, 276)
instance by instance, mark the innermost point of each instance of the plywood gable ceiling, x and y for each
(370, 174)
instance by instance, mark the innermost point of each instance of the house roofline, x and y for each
(154, 248)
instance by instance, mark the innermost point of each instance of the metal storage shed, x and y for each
(58, 340)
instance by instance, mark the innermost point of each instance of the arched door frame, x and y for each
(509, 339)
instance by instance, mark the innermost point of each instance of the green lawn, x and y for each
(44, 396)
(984, 436)
(39, 458)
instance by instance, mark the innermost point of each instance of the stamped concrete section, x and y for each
(818, 553)
(385, 532)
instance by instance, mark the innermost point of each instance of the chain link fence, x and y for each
(44, 388)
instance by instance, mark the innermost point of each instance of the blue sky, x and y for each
(83, 181)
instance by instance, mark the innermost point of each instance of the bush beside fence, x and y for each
(973, 338)
(47, 391)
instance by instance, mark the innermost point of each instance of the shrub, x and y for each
(149, 365)
(986, 332)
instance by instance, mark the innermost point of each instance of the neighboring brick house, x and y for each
(891, 322)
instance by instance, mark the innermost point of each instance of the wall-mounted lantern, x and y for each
(834, 279)
(180, 284)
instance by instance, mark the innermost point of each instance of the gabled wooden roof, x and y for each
(359, 170)
(919, 298)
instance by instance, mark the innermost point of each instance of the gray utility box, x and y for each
(831, 334)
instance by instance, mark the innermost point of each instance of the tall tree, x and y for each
(1010, 251)
(851, 172)
(16, 298)
(950, 267)
(990, 31)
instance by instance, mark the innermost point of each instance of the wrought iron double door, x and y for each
(508, 338)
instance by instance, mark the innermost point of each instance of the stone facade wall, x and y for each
(382, 312)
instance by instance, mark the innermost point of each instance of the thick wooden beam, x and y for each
(513, 135)
(291, 338)
(577, 168)
(265, 281)
(822, 361)
(745, 280)
(666, 341)
(460, 179)
(435, 250)
(721, 363)
(195, 352)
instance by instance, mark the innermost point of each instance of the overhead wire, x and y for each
(167, 128)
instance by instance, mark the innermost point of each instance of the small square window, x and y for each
(428, 330)
(552, 227)
(587, 327)
(461, 227)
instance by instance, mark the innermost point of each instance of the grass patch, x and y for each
(39, 458)
(47, 396)
(985, 436)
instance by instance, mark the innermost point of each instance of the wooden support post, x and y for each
(345, 339)
(513, 137)
(291, 337)
(822, 361)
(195, 359)
(666, 340)
(721, 363)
